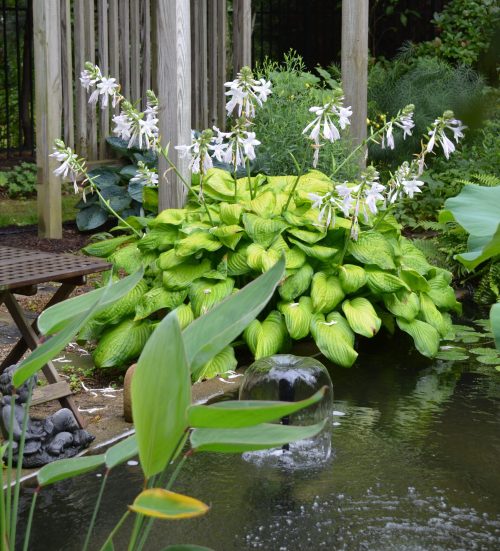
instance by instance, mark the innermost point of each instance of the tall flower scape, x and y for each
(348, 268)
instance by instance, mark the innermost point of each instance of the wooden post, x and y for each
(48, 114)
(174, 94)
(242, 34)
(355, 65)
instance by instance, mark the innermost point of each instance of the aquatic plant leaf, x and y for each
(451, 355)
(221, 363)
(372, 248)
(209, 334)
(156, 299)
(167, 505)
(195, 242)
(161, 393)
(383, 282)
(121, 452)
(495, 323)
(488, 360)
(296, 284)
(484, 351)
(262, 230)
(246, 413)
(257, 437)
(181, 276)
(266, 338)
(361, 316)
(57, 317)
(68, 468)
(334, 338)
(352, 278)
(298, 316)
(425, 337)
(326, 292)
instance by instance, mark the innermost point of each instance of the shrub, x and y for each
(20, 181)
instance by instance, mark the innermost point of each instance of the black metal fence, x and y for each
(16, 80)
(313, 27)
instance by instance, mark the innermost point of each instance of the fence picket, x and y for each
(103, 62)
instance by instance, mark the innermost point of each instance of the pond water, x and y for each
(414, 466)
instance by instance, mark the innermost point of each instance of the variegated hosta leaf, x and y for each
(403, 304)
(230, 213)
(387, 320)
(361, 316)
(333, 340)
(205, 294)
(425, 337)
(382, 282)
(185, 315)
(171, 216)
(280, 245)
(231, 241)
(264, 205)
(297, 284)
(260, 259)
(295, 258)
(169, 259)
(414, 280)
(180, 277)
(298, 317)
(195, 242)
(431, 315)
(268, 337)
(412, 258)
(442, 294)
(222, 362)
(352, 278)
(159, 237)
(316, 251)
(372, 248)
(225, 231)
(219, 184)
(310, 237)
(123, 307)
(105, 247)
(130, 258)
(237, 262)
(157, 299)
(326, 292)
(262, 231)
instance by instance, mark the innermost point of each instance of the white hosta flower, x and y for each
(372, 195)
(388, 138)
(263, 90)
(406, 123)
(70, 162)
(438, 133)
(347, 201)
(249, 143)
(410, 187)
(146, 176)
(245, 93)
(123, 126)
(198, 153)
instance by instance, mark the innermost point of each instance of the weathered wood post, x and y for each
(48, 113)
(242, 34)
(354, 60)
(173, 72)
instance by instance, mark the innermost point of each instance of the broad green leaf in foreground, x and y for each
(163, 504)
(68, 468)
(121, 452)
(57, 317)
(209, 334)
(257, 437)
(245, 413)
(161, 393)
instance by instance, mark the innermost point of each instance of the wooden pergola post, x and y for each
(354, 60)
(173, 72)
(48, 111)
(242, 34)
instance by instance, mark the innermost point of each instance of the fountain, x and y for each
(289, 378)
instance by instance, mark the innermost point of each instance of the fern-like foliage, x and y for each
(483, 179)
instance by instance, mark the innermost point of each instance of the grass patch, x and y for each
(23, 212)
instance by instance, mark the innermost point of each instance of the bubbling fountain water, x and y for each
(291, 378)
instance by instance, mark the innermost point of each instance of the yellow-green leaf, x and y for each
(183, 275)
(372, 248)
(196, 242)
(316, 251)
(205, 294)
(237, 262)
(222, 362)
(425, 337)
(296, 284)
(157, 299)
(260, 259)
(185, 315)
(266, 338)
(163, 504)
(333, 339)
(264, 204)
(295, 258)
(352, 277)
(403, 304)
(262, 230)
(169, 259)
(298, 317)
(431, 315)
(230, 213)
(414, 280)
(381, 282)
(326, 292)
(442, 294)
(361, 316)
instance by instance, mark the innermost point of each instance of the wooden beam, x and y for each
(48, 113)
(174, 94)
(354, 60)
(242, 34)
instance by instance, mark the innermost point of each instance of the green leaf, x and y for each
(264, 205)
(414, 280)
(451, 355)
(209, 334)
(298, 316)
(121, 452)
(297, 284)
(361, 316)
(488, 360)
(221, 363)
(352, 278)
(334, 338)
(431, 315)
(442, 294)
(258, 437)
(484, 351)
(258, 258)
(180, 277)
(185, 315)
(195, 242)
(326, 292)
(91, 217)
(262, 230)
(319, 252)
(372, 248)
(246, 413)
(268, 337)
(403, 304)
(230, 213)
(166, 505)
(161, 393)
(425, 337)
(412, 258)
(105, 247)
(186, 547)
(58, 316)
(68, 468)
(381, 282)
(495, 323)
(156, 299)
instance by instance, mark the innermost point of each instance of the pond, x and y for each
(414, 466)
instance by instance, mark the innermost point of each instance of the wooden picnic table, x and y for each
(21, 271)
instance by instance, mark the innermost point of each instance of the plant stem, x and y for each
(96, 510)
(17, 488)
(30, 520)
(247, 166)
(8, 497)
(115, 529)
(139, 519)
